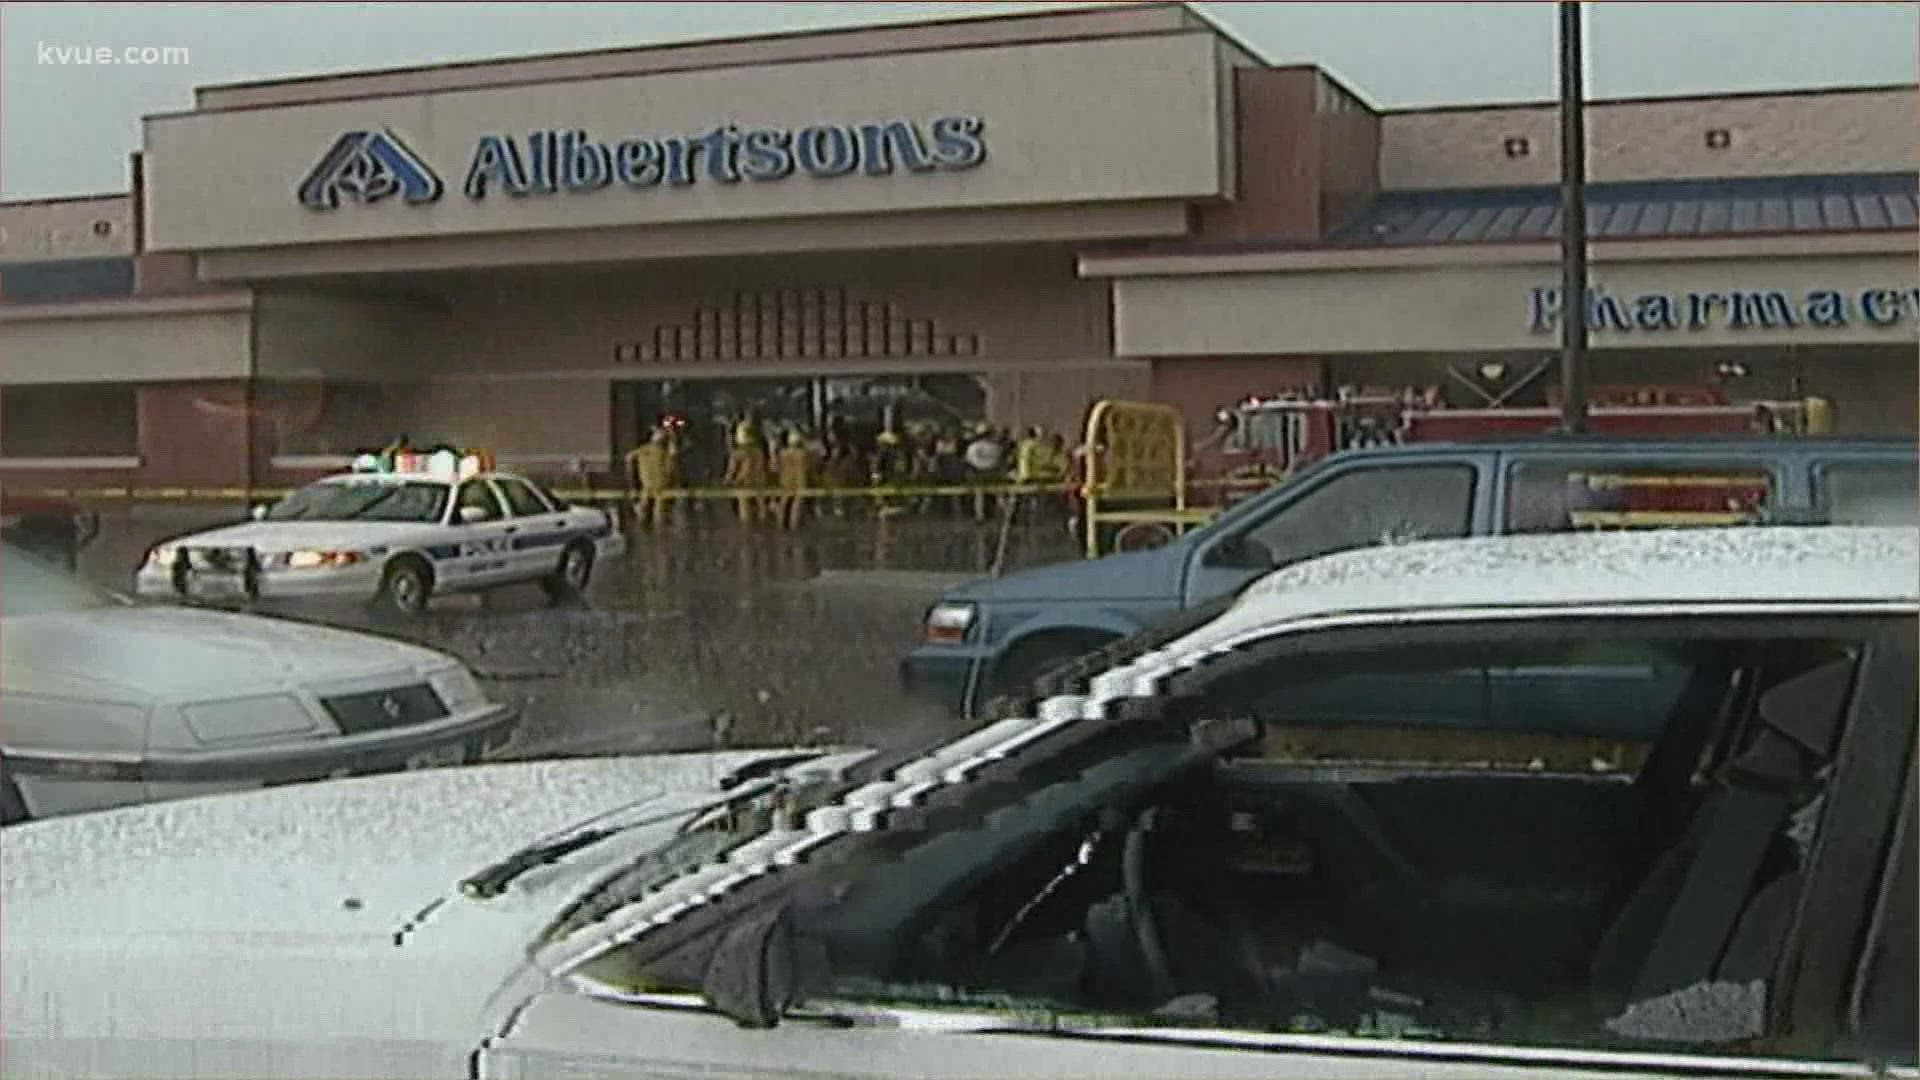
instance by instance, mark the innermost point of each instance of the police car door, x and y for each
(482, 539)
(542, 530)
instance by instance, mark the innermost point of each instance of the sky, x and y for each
(66, 129)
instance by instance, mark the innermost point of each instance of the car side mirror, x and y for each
(1241, 553)
(258, 512)
(473, 515)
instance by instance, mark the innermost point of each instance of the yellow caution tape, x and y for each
(234, 494)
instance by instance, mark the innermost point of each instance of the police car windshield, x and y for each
(370, 499)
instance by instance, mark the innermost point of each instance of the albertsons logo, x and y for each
(368, 167)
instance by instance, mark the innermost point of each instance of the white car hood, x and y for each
(286, 925)
(173, 653)
(277, 536)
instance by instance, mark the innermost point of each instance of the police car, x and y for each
(396, 530)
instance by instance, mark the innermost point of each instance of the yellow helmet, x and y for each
(889, 438)
(794, 438)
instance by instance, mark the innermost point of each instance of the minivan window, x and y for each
(1563, 495)
(1868, 492)
(1371, 506)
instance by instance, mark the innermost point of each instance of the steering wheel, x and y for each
(1140, 910)
(1232, 956)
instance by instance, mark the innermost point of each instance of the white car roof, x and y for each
(1752, 565)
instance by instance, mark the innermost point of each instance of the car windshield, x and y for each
(364, 500)
(30, 586)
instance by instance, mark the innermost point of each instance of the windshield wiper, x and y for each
(753, 770)
(493, 880)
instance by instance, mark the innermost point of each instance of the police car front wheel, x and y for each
(405, 587)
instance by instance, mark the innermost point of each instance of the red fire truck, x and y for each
(1261, 441)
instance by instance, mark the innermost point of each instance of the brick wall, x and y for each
(1058, 399)
(197, 433)
(1771, 135)
(1349, 156)
(1307, 157)
(1277, 160)
(167, 275)
(84, 228)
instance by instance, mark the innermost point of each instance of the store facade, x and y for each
(1766, 316)
(1000, 219)
(1762, 318)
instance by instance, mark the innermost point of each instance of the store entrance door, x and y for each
(706, 409)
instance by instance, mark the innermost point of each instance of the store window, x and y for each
(857, 408)
(1563, 495)
(66, 279)
(69, 420)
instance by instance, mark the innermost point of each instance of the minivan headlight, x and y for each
(947, 624)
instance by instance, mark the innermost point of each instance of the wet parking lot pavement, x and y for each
(752, 634)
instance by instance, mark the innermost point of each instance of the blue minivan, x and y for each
(995, 636)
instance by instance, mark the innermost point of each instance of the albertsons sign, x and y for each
(369, 166)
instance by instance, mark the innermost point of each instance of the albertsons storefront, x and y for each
(1000, 219)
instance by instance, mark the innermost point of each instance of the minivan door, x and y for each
(1356, 507)
(1589, 691)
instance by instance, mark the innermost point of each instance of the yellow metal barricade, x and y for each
(1137, 452)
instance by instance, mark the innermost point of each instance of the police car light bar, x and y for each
(441, 463)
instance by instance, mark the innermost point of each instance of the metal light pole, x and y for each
(1573, 223)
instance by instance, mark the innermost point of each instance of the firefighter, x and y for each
(1040, 459)
(796, 475)
(747, 470)
(949, 470)
(1056, 462)
(890, 465)
(1081, 475)
(651, 468)
(841, 461)
(986, 465)
(1029, 458)
(920, 465)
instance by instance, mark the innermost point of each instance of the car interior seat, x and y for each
(1544, 931)
(1698, 914)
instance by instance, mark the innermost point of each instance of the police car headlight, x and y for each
(162, 555)
(314, 560)
(457, 687)
(947, 623)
